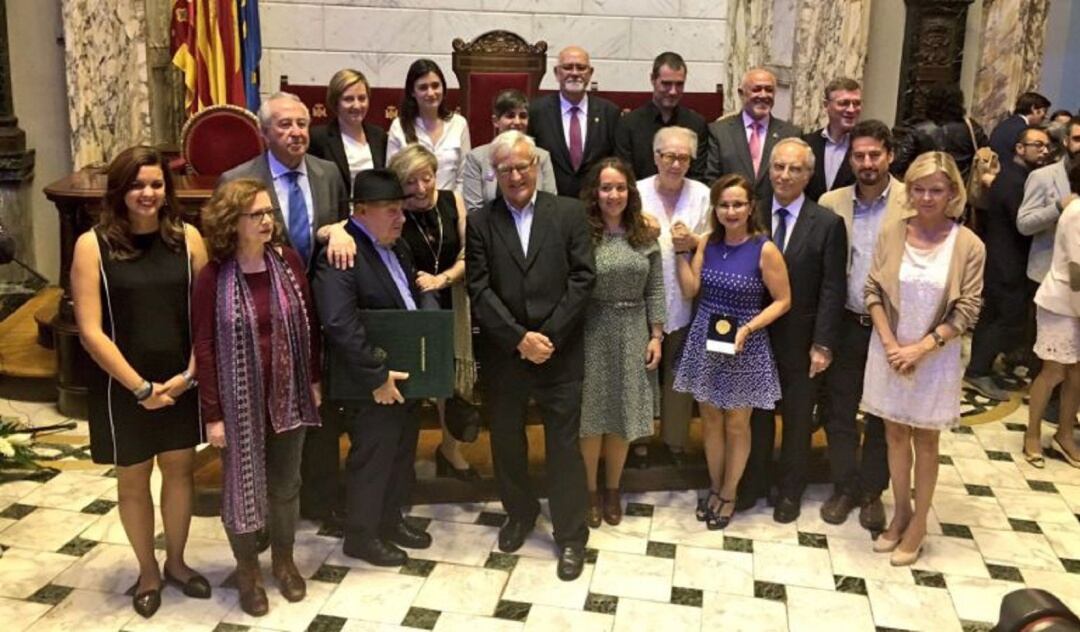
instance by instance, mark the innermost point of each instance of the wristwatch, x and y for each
(938, 339)
(189, 379)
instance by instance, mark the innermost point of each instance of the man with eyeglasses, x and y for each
(635, 132)
(1006, 293)
(832, 143)
(575, 128)
(530, 271)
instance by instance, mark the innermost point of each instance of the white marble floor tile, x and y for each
(714, 571)
(732, 613)
(69, 490)
(206, 528)
(107, 528)
(633, 615)
(182, 613)
(1065, 585)
(373, 596)
(1025, 550)
(797, 565)
(760, 526)
(952, 556)
(634, 576)
(110, 568)
(457, 622)
(856, 558)
(997, 438)
(18, 615)
(957, 445)
(1063, 537)
(1071, 494)
(910, 607)
(464, 589)
(457, 543)
(1056, 470)
(949, 477)
(356, 625)
(5, 522)
(678, 525)
(687, 499)
(535, 581)
(283, 615)
(994, 473)
(811, 522)
(46, 529)
(215, 561)
(972, 511)
(548, 619)
(14, 490)
(23, 571)
(811, 610)
(448, 512)
(87, 611)
(977, 599)
(1030, 505)
(310, 551)
(629, 536)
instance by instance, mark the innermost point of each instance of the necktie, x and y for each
(299, 224)
(755, 146)
(576, 149)
(780, 236)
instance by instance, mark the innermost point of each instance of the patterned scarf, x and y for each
(240, 382)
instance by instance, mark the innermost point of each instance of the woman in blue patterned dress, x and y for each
(730, 272)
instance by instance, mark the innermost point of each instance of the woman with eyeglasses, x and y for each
(727, 362)
(257, 349)
(923, 292)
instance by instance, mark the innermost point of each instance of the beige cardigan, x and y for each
(963, 287)
(842, 202)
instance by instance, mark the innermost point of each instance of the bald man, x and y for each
(575, 128)
(742, 142)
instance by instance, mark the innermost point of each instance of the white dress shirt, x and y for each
(450, 151)
(278, 172)
(583, 118)
(835, 152)
(358, 155)
(793, 210)
(523, 220)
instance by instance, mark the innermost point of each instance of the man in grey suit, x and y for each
(741, 143)
(1046, 194)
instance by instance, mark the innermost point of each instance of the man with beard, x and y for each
(742, 143)
(832, 143)
(575, 128)
(875, 200)
(1001, 322)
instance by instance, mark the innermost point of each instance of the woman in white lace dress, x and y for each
(924, 291)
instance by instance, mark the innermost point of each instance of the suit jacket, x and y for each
(816, 256)
(340, 294)
(326, 143)
(479, 186)
(844, 176)
(730, 153)
(842, 202)
(328, 193)
(1006, 248)
(546, 126)
(544, 290)
(1003, 138)
(1046, 187)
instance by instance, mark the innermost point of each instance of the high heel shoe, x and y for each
(885, 545)
(714, 521)
(901, 557)
(445, 469)
(146, 603)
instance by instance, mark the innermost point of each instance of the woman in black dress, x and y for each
(131, 280)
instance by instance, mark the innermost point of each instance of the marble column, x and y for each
(16, 167)
(107, 77)
(1011, 59)
(749, 32)
(830, 41)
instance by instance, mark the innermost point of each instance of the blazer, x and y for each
(326, 143)
(816, 256)
(842, 202)
(1006, 248)
(1044, 191)
(328, 193)
(546, 126)
(1003, 138)
(844, 176)
(963, 288)
(340, 294)
(479, 185)
(1060, 289)
(545, 289)
(730, 153)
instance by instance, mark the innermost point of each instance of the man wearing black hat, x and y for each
(383, 434)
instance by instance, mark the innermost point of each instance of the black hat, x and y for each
(376, 185)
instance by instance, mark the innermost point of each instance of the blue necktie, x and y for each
(299, 224)
(780, 236)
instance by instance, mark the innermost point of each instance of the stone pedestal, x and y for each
(933, 50)
(16, 167)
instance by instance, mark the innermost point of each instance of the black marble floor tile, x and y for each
(604, 604)
(330, 531)
(330, 574)
(159, 541)
(77, 547)
(1015, 427)
(1005, 573)
(995, 455)
(739, 545)
(686, 596)
(491, 519)
(665, 550)
(231, 627)
(944, 459)
(501, 561)
(1024, 526)
(881, 628)
(853, 585)
(1071, 566)
(422, 618)
(979, 490)
(976, 626)
(51, 594)
(928, 578)
(1043, 486)
(961, 429)
(417, 567)
(99, 507)
(769, 590)
(590, 555)
(813, 540)
(512, 610)
(639, 509)
(17, 511)
(326, 623)
(956, 531)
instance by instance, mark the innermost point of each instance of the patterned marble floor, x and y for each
(997, 525)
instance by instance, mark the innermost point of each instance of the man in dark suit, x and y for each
(383, 433)
(575, 128)
(814, 243)
(530, 270)
(347, 101)
(1006, 291)
(1031, 108)
(832, 143)
(742, 142)
(635, 132)
(309, 200)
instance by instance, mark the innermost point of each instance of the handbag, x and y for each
(985, 165)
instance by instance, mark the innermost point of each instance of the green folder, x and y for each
(419, 342)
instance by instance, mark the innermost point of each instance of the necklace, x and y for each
(728, 249)
(437, 248)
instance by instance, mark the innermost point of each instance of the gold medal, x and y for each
(723, 327)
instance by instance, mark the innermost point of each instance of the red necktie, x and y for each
(755, 146)
(576, 149)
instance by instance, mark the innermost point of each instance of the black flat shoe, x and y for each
(376, 552)
(786, 510)
(406, 536)
(445, 469)
(146, 603)
(571, 563)
(513, 533)
(196, 587)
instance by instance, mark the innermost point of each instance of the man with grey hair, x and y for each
(530, 271)
(814, 242)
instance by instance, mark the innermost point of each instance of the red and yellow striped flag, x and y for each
(206, 47)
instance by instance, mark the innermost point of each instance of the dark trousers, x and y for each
(320, 470)
(379, 471)
(843, 386)
(1001, 324)
(560, 411)
(283, 452)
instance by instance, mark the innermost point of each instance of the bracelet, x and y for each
(142, 391)
(659, 336)
(189, 379)
(939, 340)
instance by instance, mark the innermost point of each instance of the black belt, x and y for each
(862, 319)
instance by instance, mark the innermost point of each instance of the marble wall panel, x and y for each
(456, 5)
(646, 8)
(107, 77)
(714, 9)
(297, 27)
(372, 29)
(1012, 47)
(695, 40)
(534, 6)
(749, 23)
(604, 38)
(445, 26)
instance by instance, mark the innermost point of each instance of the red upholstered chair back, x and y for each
(220, 138)
(483, 86)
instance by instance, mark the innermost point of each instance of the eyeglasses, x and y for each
(669, 158)
(257, 216)
(1037, 145)
(848, 103)
(521, 168)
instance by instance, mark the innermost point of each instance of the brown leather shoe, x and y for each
(872, 514)
(612, 506)
(837, 507)
(288, 578)
(593, 516)
(250, 584)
